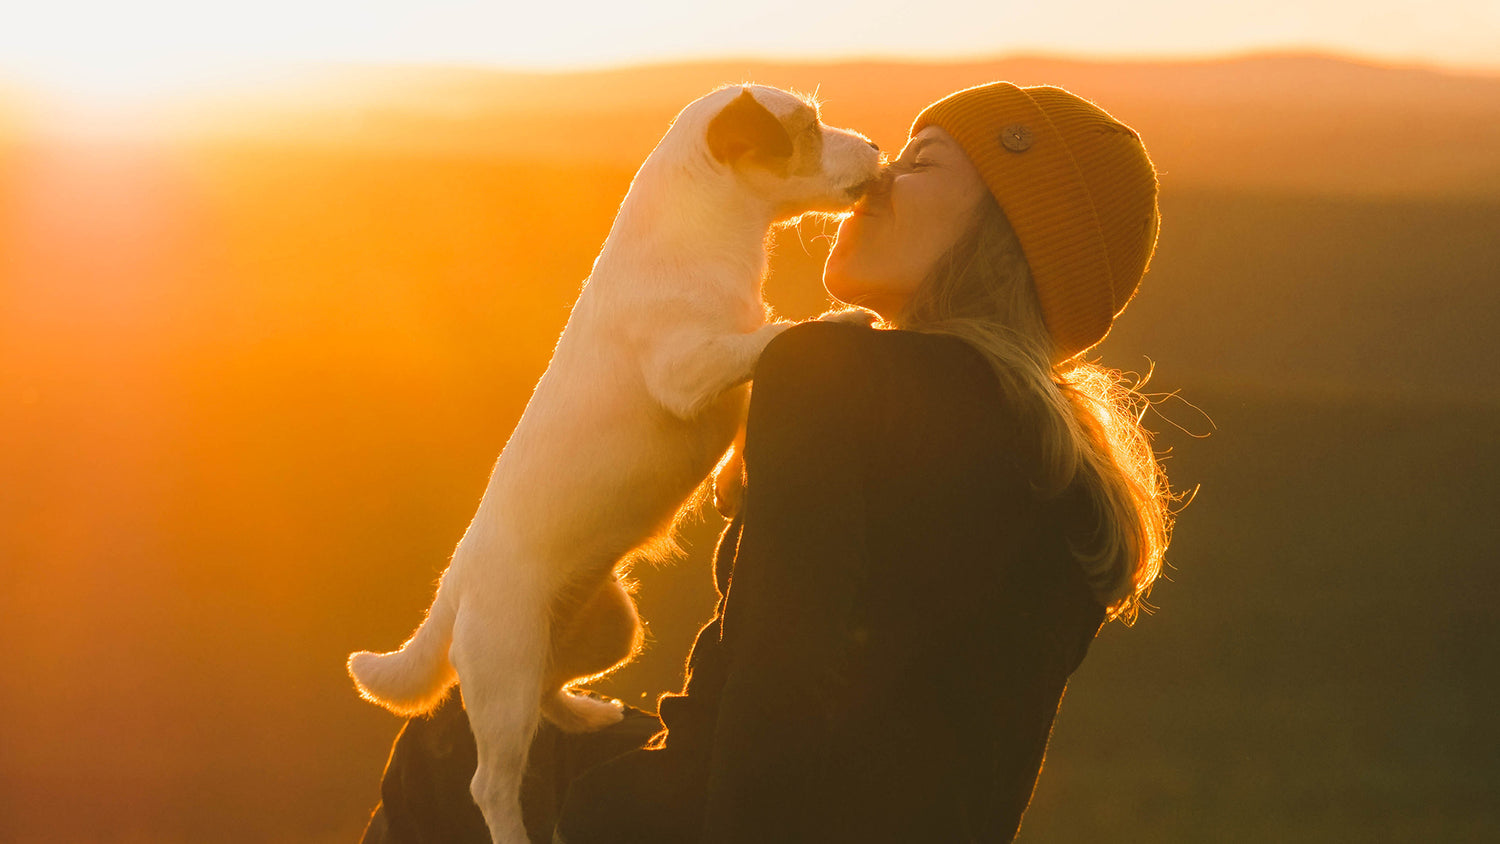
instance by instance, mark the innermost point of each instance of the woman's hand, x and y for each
(729, 478)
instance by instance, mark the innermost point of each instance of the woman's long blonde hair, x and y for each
(1085, 418)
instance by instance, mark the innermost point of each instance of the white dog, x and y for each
(643, 395)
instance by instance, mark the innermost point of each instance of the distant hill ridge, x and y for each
(1294, 123)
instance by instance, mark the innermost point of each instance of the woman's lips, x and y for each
(871, 204)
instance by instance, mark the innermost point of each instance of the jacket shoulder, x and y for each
(876, 356)
(812, 344)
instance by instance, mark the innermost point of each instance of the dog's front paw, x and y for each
(854, 315)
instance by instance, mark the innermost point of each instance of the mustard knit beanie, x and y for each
(1077, 186)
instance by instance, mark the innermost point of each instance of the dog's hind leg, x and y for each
(500, 651)
(603, 634)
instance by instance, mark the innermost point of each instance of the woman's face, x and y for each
(895, 236)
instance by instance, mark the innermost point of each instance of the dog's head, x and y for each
(775, 144)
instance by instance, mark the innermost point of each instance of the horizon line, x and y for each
(14, 77)
(929, 60)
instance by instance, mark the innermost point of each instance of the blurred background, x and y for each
(275, 284)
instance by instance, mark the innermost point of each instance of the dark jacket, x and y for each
(898, 618)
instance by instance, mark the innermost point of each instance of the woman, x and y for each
(935, 522)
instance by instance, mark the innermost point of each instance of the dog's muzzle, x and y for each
(873, 189)
(858, 191)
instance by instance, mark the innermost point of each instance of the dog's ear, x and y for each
(744, 127)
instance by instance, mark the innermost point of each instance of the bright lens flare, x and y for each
(106, 80)
(112, 94)
(110, 64)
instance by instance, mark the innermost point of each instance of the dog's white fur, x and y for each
(643, 395)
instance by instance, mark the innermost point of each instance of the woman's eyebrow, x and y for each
(916, 147)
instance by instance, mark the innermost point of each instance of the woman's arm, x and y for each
(796, 578)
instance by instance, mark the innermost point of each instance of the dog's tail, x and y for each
(412, 681)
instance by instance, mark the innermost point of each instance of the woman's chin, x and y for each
(838, 286)
(835, 276)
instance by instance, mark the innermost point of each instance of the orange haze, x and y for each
(256, 359)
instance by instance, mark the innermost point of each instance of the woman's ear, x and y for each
(745, 127)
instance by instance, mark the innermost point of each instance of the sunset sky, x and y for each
(153, 46)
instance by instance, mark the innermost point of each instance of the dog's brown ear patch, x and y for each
(745, 126)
